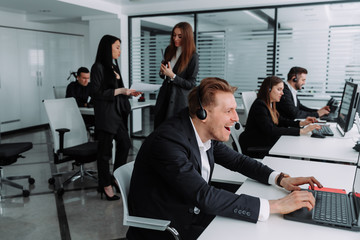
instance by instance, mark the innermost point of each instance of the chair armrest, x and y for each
(61, 132)
(148, 223)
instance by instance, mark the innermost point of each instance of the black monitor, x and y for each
(348, 107)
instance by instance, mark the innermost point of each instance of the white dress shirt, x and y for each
(293, 92)
(264, 212)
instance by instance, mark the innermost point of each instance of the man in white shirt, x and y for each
(172, 173)
(289, 105)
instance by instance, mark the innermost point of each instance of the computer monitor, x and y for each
(348, 107)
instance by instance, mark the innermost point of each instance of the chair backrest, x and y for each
(64, 113)
(59, 91)
(248, 98)
(123, 177)
(233, 141)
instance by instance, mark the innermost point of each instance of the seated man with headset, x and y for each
(174, 165)
(289, 105)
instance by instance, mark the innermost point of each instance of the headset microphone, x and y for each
(237, 125)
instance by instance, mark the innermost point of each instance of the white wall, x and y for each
(116, 26)
(18, 20)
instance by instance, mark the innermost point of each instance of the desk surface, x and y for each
(277, 227)
(336, 148)
(133, 102)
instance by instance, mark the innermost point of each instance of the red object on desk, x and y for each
(324, 189)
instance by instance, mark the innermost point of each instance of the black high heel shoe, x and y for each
(115, 184)
(113, 198)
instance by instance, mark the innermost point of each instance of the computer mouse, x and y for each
(317, 135)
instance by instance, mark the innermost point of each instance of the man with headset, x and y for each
(289, 105)
(172, 173)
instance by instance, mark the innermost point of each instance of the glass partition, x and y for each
(149, 37)
(324, 39)
(236, 46)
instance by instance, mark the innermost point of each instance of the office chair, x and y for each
(123, 177)
(248, 98)
(9, 153)
(59, 91)
(233, 141)
(70, 139)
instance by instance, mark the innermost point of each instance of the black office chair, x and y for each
(70, 138)
(9, 153)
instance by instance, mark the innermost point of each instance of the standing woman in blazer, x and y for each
(112, 108)
(264, 125)
(179, 70)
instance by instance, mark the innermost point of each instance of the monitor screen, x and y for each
(348, 107)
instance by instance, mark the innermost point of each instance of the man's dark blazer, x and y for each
(260, 130)
(79, 92)
(287, 109)
(173, 95)
(111, 112)
(167, 184)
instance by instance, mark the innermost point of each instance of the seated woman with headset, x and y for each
(264, 125)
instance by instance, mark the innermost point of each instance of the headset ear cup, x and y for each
(201, 114)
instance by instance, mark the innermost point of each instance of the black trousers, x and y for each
(104, 154)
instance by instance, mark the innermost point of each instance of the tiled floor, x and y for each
(79, 214)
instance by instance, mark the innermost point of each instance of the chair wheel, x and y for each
(26, 193)
(60, 192)
(31, 180)
(51, 181)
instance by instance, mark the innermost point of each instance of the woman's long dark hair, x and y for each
(264, 94)
(187, 45)
(104, 57)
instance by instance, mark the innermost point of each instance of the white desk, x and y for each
(336, 148)
(136, 123)
(224, 175)
(276, 227)
(133, 102)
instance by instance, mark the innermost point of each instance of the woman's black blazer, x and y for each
(173, 95)
(111, 112)
(260, 130)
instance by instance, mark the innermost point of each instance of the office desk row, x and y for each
(331, 175)
(334, 167)
(133, 102)
(333, 149)
(136, 114)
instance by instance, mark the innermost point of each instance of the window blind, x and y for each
(211, 50)
(146, 56)
(343, 59)
(249, 58)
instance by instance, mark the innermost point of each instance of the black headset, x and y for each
(295, 73)
(201, 112)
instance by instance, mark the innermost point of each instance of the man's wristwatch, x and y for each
(280, 177)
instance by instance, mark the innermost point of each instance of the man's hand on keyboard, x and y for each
(292, 202)
(293, 183)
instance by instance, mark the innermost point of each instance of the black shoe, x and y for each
(115, 184)
(113, 198)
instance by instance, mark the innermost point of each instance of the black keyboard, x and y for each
(330, 207)
(325, 130)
